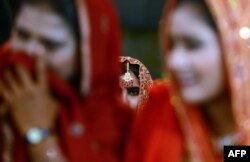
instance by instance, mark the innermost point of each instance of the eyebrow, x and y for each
(42, 39)
(20, 29)
(51, 41)
(185, 37)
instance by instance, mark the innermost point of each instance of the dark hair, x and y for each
(132, 67)
(202, 9)
(65, 8)
(5, 21)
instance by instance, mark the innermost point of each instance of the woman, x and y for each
(53, 113)
(135, 82)
(206, 49)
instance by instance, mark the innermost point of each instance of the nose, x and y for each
(33, 48)
(177, 59)
(124, 95)
(30, 47)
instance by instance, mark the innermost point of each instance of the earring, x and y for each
(127, 80)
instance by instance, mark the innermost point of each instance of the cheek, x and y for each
(207, 62)
(65, 55)
(133, 101)
(17, 44)
(215, 75)
(63, 61)
(211, 67)
(211, 80)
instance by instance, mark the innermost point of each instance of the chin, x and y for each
(133, 105)
(194, 98)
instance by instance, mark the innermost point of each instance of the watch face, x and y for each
(34, 136)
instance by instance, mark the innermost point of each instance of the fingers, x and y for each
(24, 76)
(40, 73)
(26, 81)
(41, 68)
(4, 92)
(11, 81)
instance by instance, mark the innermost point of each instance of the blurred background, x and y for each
(139, 20)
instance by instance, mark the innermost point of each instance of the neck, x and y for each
(220, 117)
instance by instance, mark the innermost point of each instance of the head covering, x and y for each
(88, 130)
(160, 139)
(233, 27)
(145, 79)
(100, 44)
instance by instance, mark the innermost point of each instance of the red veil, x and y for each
(91, 128)
(145, 80)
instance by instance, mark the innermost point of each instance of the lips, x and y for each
(186, 79)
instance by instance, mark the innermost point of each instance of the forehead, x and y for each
(41, 20)
(187, 19)
(134, 83)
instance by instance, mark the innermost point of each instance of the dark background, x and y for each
(139, 20)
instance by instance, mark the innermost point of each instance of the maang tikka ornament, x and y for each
(127, 80)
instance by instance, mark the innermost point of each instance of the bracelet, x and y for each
(36, 135)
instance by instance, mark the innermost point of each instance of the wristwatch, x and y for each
(36, 135)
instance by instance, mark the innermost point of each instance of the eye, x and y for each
(192, 44)
(22, 34)
(133, 91)
(51, 45)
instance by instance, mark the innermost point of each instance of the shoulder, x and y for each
(159, 96)
(158, 110)
(159, 88)
(156, 128)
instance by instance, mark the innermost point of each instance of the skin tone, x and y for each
(131, 94)
(195, 60)
(45, 35)
(40, 27)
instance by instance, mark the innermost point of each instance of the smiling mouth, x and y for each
(186, 79)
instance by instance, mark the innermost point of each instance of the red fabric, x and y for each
(105, 43)
(105, 119)
(156, 135)
(105, 122)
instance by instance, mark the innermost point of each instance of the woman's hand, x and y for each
(29, 99)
